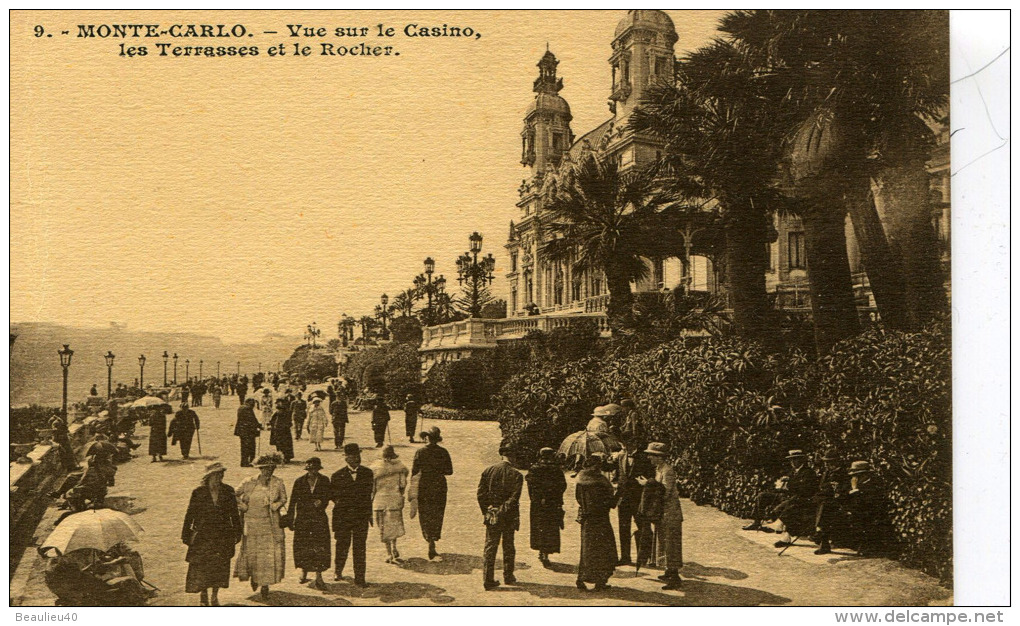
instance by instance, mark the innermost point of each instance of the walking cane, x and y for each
(787, 546)
(198, 434)
(388, 438)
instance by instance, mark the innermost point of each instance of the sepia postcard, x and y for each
(486, 308)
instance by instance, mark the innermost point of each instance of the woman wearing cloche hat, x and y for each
(669, 527)
(211, 529)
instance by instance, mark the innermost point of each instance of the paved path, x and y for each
(725, 565)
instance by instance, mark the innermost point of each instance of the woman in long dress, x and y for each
(265, 399)
(595, 498)
(157, 430)
(306, 516)
(431, 465)
(546, 485)
(316, 423)
(280, 435)
(388, 500)
(669, 529)
(260, 498)
(212, 527)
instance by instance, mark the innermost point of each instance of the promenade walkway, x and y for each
(725, 566)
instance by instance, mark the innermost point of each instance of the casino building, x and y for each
(546, 294)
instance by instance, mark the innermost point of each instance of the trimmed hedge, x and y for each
(392, 370)
(729, 409)
(432, 412)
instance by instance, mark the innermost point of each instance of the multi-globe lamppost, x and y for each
(65, 362)
(382, 311)
(423, 283)
(477, 274)
(109, 356)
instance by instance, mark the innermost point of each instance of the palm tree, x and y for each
(403, 302)
(859, 83)
(608, 221)
(723, 132)
(368, 326)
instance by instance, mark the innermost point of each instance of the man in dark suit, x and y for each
(628, 464)
(352, 512)
(248, 429)
(338, 414)
(499, 495)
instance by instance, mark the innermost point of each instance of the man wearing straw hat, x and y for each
(870, 529)
(790, 501)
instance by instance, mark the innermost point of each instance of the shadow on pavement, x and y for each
(700, 572)
(694, 593)
(289, 598)
(454, 564)
(388, 593)
(562, 568)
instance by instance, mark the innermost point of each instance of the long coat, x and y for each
(798, 510)
(546, 485)
(182, 428)
(247, 425)
(595, 498)
(432, 465)
(157, 429)
(211, 530)
(280, 434)
(310, 523)
(669, 530)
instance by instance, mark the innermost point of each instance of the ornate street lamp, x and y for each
(477, 274)
(109, 373)
(383, 312)
(166, 357)
(200, 369)
(187, 366)
(65, 362)
(141, 371)
(175, 369)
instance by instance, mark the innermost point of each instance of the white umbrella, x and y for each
(98, 529)
(147, 401)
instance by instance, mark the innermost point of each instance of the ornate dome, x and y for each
(549, 102)
(646, 18)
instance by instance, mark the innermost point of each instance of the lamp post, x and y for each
(382, 311)
(141, 371)
(200, 369)
(65, 362)
(109, 373)
(424, 284)
(238, 368)
(175, 369)
(187, 370)
(166, 357)
(476, 274)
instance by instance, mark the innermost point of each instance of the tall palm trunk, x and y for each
(745, 266)
(882, 266)
(620, 309)
(832, 297)
(903, 197)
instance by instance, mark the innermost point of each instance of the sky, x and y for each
(242, 197)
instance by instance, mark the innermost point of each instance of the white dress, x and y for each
(388, 498)
(316, 424)
(262, 556)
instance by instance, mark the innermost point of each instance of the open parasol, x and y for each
(147, 401)
(585, 442)
(98, 529)
(318, 393)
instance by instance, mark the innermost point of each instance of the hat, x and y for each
(607, 410)
(546, 453)
(313, 462)
(432, 433)
(352, 448)
(830, 455)
(859, 467)
(796, 454)
(410, 396)
(389, 453)
(268, 460)
(316, 399)
(656, 448)
(213, 468)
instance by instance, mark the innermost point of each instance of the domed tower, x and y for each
(642, 55)
(546, 135)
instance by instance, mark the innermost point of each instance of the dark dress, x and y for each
(380, 419)
(280, 435)
(546, 484)
(411, 418)
(157, 429)
(312, 550)
(598, 543)
(433, 464)
(211, 530)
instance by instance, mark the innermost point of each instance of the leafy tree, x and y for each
(496, 309)
(311, 364)
(406, 329)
